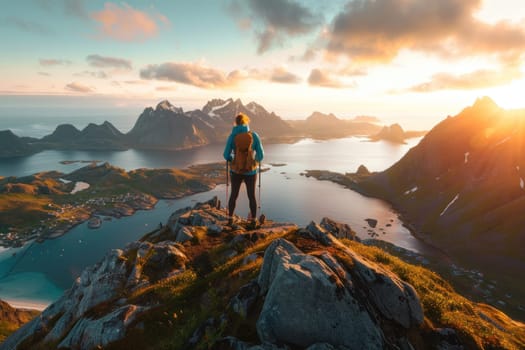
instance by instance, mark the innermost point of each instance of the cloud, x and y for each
(281, 75)
(189, 73)
(478, 79)
(274, 20)
(126, 23)
(320, 78)
(165, 88)
(376, 31)
(76, 8)
(205, 77)
(77, 87)
(308, 55)
(46, 62)
(135, 82)
(108, 62)
(45, 74)
(86, 73)
(26, 26)
(353, 71)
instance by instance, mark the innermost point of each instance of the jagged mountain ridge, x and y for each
(463, 187)
(199, 282)
(163, 127)
(93, 136)
(169, 127)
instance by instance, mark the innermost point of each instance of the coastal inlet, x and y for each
(48, 204)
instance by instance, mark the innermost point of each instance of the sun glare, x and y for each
(510, 96)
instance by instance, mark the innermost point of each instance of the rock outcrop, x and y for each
(227, 286)
(72, 321)
(307, 302)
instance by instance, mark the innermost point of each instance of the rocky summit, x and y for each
(202, 282)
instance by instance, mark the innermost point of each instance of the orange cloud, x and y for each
(189, 73)
(165, 88)
(209, 78)
(376, 31)
(320, 78)
(281, 75)
(126, 23)
(482, 78)
(77, 87)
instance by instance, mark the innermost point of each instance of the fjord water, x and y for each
(41, 271)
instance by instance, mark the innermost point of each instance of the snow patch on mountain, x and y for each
(449, 204)
(167, 106)
(412, 190)
(215, 108)
(503, 141)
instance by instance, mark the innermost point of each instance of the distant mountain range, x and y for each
(319, 125)
(463, 187)
(171, 128)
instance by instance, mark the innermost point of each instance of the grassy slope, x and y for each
(203, 292)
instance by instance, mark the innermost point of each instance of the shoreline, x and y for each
(352, 185)
(24, 304)
(114, 205)
(112, 214)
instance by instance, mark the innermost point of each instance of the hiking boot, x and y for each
(230, 221)
(252, 225)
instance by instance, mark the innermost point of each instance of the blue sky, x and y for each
(410, 59)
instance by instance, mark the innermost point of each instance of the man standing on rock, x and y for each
(245, 152)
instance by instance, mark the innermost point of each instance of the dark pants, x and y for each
(249, 180)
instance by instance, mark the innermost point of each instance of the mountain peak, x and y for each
(318, 116)
(485, 103)
(167, 106)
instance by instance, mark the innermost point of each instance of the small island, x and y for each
(48, 204)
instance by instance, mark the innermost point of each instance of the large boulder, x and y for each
(395, 299)
(319, 300)
(307, 303)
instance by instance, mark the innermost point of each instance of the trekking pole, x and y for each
(262, 217)
(259, 200)
(227, 184)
